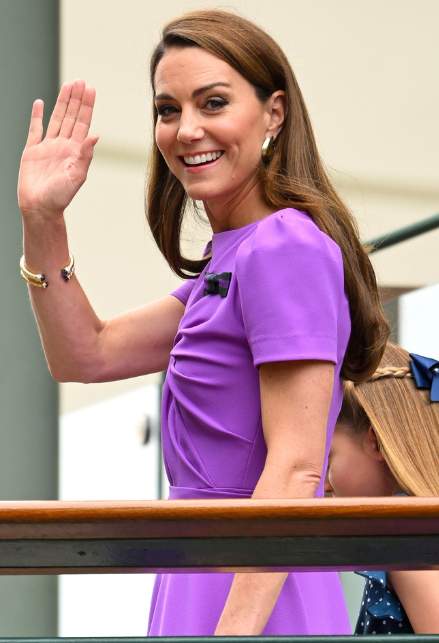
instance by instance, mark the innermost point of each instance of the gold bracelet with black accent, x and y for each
(39, 279)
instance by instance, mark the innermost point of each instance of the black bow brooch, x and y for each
(217, 283)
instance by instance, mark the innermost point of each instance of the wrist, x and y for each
(45, 244)
(41, 229)
(41, 217)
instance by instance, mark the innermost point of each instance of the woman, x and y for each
(256, 342)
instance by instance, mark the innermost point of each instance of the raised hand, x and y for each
(53, 167)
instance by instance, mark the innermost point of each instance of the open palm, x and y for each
(54, 167)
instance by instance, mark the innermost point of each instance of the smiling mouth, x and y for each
(201, 159)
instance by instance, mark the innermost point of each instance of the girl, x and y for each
(386, 443)
(283, 301)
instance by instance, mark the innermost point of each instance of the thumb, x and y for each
(87, 147)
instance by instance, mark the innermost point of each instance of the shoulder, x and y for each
(287, 229)
(289, 234)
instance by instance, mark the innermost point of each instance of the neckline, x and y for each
(227, 238)
(232, 231)
(248, 226)
(221, 241)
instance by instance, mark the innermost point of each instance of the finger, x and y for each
(35, 133)
(59, 110)
(83, 120)
(73, 107)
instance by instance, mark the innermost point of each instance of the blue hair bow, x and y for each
(425, 372)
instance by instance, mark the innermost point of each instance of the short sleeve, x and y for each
(291, 283)
(183, 291)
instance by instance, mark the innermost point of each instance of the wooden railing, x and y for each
(220, 535)
(350, 533)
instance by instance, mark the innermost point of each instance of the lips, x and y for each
(201, 159)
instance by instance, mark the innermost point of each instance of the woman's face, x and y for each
(356, 466)
(210, 126)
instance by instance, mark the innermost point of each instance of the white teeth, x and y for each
(202, 158)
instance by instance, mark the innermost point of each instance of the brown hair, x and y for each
(404, 420)
(295, 176)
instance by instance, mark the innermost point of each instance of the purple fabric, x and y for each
(286, 301)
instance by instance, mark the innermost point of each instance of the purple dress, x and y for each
(275, 292)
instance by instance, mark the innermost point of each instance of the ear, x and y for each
(276, 109)
(371, 446)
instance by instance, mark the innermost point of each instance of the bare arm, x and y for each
(78, 345)
(295, 399)
(418, 591)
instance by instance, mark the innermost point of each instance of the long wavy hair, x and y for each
(294, 177)
(405, 422)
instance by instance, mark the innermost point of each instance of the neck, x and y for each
(239, 209)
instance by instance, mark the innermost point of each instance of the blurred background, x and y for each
(368, 72)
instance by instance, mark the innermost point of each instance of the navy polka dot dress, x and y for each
(381, 612)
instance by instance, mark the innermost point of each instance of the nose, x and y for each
(189, 127)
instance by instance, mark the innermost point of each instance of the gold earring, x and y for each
(267, 149)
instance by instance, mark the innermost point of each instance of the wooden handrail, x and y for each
(204, 518)
(219, 535)
(328, 533)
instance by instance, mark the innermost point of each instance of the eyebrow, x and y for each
(195, 93)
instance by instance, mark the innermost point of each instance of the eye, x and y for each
(164, 111)
(215, 103)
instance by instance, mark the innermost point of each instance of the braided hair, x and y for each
(390, 371)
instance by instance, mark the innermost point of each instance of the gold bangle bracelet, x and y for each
(39, 279)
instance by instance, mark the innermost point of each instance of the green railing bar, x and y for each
(397, 236)
(146, 555)
(411, 638)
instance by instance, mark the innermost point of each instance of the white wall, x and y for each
(103, 457)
